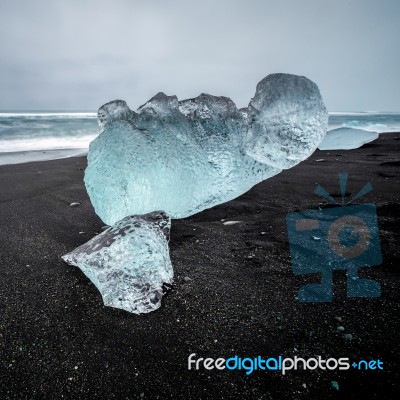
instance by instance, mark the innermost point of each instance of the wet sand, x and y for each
(17, 157)
(57, 340)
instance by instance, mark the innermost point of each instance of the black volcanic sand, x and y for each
(59, 341)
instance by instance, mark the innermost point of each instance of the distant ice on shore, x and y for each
(346, 139)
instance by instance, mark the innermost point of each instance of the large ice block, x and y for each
(185, 156)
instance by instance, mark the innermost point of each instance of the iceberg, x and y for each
(346, 139)
(129, 262)
(186, 156)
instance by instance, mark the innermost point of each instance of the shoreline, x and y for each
(23, 157)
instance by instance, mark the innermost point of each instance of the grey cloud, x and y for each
(81, 54)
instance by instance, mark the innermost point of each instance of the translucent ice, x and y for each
(287, 119)
(128, 262)
(183, 157)
(346, 139)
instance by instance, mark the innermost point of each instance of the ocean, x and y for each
(36, 136)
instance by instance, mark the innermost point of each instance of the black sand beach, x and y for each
(57, 340)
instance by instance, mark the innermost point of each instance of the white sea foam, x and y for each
(48, 114)
(370, 121)
(45, 143)
(36, 136)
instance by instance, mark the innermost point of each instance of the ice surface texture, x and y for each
(185, 156)
(129, 262)
(346, 139)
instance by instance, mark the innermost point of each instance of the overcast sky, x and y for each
(80, 54)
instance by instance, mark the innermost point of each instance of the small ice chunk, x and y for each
(348, 336)
(346, 139)
(129, 262)
(335, 385)
(340, 328)
(75, 204)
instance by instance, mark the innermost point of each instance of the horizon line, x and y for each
(55, 111)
